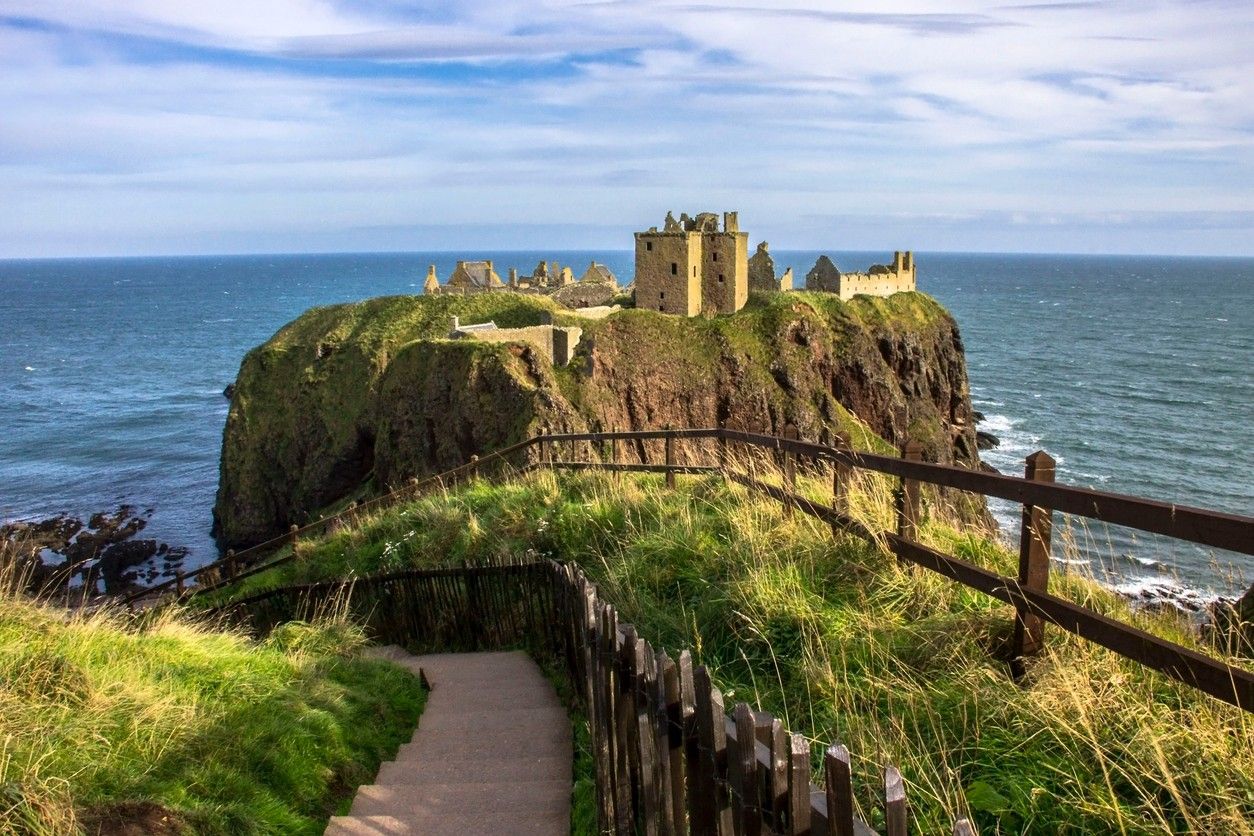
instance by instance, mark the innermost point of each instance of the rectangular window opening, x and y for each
(720, 278)
(674, 269)
(648, 245)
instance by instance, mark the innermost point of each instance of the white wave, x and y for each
(1065, 562)
(30, 368)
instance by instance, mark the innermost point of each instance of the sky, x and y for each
(145, 127)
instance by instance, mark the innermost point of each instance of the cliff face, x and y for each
(372, 391)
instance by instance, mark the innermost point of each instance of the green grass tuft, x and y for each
(178, 723)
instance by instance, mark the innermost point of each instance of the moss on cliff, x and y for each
(371, 391)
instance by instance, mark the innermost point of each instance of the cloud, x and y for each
(380, 114)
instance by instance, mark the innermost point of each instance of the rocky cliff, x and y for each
(369, 394)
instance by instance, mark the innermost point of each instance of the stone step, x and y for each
(518, 797)
(438, 743)
(472, 719)
(484, 823)
(441, 771)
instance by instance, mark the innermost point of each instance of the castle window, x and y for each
(720, 278)
(674, 269)
(694, 271)
(714, 256)
(662, 295)
(648, 245)
(662, 308)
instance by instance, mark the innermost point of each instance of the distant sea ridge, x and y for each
(1134, 372)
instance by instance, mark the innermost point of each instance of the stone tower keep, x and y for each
(691, 266)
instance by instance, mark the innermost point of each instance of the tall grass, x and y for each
(106, 719)
(831, 634)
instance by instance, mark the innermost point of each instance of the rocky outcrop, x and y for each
(368, 395)
(52, 553)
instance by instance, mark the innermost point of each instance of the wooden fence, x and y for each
(1039, 495)
(669, 759)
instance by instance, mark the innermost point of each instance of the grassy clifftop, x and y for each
(175, 727)
(354, 397)
(832, 635)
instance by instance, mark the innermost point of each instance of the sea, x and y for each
(1135, 373)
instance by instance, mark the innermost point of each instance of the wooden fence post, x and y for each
(841, 474)
(790, 469)
(895, 813)
(722, 450)
(670, 457)
(1034, 543)
(180, 580)
(908, 496)
(474, 466)
(231, 568)
(799, 787)
(839, 790)
(291, 537)
(544, 446)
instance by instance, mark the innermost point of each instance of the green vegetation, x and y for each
(353, 398)
(843, 644)
(172, 725)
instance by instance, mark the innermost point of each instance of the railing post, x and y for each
(543, 446)
(790, 469)
(231, 568)
(1034, 541)
(908, 496)
(474, 466)
(841, 471)
(670, 457)
(722, 450)
(291, 537)
(180, 580)
(574, 450)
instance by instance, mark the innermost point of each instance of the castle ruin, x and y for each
(690, 266)
(762, 272)
(878, 280)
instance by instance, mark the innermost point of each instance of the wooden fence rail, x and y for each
(1027, 592)
(669, 759)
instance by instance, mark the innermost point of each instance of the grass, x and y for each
(834, 637)
(175, 725)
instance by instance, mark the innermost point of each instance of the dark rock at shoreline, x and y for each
(988, 468)
(978, 416)
(986, 441)
(229, 391)
(103, 548)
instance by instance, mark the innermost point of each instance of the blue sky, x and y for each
(153, 127)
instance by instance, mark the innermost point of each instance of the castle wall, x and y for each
(668, 272)
(875, 284)
(554, 342)
(724, 271)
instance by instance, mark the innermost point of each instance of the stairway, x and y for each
(492, 755)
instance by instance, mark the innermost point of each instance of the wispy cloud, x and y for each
(130, 122)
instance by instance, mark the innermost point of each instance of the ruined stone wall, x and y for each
(668, 272)
(557, 344)
(874, 284)
(724, 271)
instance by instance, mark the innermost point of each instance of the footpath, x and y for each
(492, 754)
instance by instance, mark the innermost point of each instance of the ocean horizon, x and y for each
(1132, 371)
